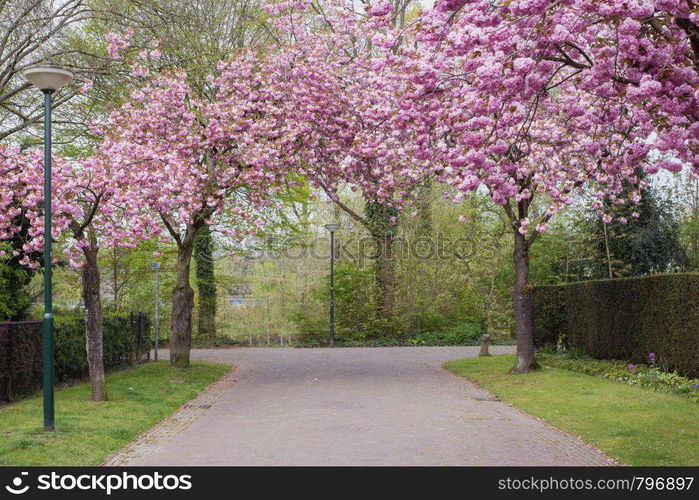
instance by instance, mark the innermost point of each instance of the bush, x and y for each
(467, 333)
(624, 318)
(126, 339)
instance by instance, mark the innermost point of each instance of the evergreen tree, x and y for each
(15, 299)
(636, 246)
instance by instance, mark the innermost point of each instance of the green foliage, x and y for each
(549, 315)
(20, 357)
(577, 353)
(356, 317)
(647, 244)
(457, 274)
(466, 333)
(378, 217)
(128, 281)
(625, 318)
(688, 196)
(15, 299)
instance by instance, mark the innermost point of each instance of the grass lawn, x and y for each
(88, 432)
(635, 426)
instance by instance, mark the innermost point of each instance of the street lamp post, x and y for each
(156, 267)
(331, 229)
(48, 79)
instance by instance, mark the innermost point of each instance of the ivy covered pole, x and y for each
(331, 229)
(156, 267)
(48, 79)
(206, 284)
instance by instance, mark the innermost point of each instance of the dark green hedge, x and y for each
(126, 339)
(624, 318)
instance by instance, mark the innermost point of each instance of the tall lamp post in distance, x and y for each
(331, 229)
(48, 79)
(156, 266)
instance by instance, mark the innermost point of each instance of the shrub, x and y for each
(625, 318)
(468, 333)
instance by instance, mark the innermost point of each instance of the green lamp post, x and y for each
(48, 79)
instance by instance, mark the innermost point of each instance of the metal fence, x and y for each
(20, 357)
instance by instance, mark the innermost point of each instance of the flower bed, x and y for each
(650, 375)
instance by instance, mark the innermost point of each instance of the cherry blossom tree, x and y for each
(333, 115)
(191, 162)
(90, 212)
(540, 99)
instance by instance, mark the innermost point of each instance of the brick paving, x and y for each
(359, 406)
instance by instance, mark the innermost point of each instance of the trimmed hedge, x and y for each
(624, 318)
(126, 340)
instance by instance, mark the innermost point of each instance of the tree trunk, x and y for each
(206, 285)
(522, 301)
(385, 275)
(381, 225)
(94, 338)
(182, 307)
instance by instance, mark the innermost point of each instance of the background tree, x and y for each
(637, 241)
(15, 298)
(32, 32)
(687, 191)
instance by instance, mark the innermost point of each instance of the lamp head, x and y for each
(332, 227)
(48, 78)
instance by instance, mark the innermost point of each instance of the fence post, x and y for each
(139, 343)
(8, 363)
(133, 337)
(148, 335)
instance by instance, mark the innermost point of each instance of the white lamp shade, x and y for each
(48, 78)
(332, 227)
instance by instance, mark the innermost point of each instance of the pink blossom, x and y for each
(86, 87)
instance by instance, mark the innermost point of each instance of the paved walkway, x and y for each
(363, 406)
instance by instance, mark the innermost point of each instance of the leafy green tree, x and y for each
(15, 298)
(636, 246)
(689, 221)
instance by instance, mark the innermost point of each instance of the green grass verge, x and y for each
(635, 426)
(88, 432)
